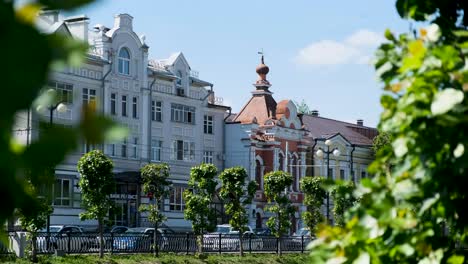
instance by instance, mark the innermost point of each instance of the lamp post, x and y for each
(61, 108)
(320, 152)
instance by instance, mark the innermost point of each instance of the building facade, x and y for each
(172, 116)
(268, 136)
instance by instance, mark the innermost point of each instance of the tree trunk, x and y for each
(34, 247)
(155, 239)
(200, 243)
(279, 234)
(280, 252)
(241, 246)
(101, 239)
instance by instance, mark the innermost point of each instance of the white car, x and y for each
(228, 238)
(64, 237)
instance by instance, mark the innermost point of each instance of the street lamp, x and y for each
(61, 108)
(320, 153)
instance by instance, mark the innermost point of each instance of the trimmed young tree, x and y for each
(198, 201)
(155, 184)
(276, 184)
(343, 199)
(96, 183)
(36, 219)
(237, 194)
(315, 194)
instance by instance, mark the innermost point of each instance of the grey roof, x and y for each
(320, 127)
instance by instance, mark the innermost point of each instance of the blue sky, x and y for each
(317, 51)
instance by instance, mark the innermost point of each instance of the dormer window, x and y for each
(179, 80)
(124, 61)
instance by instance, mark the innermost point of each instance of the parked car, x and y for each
(228, 238)
(297, 238)
(114, 231)
(262, 231)
(64, 237)
(139, 239)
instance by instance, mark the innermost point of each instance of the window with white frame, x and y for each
(183, 113)
(134, 148)
(111, 150)
(208, 124)
(124, 105)
(208, 157)
(135, 107)
(89, 95)
(64, 91)
(113, 104)
(156, 111)
(62, 192)
(183, 150)
(123, 150)
(87, 147)
(156, 150)
(176, 199)
(179, 80)
(124, 61)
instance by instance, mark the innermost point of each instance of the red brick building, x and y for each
(267, 136)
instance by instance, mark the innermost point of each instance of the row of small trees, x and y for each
(97, 183)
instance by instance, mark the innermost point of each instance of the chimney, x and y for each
(50, 14)
(78, 26)
(123, 21)
(360, 122)
(314, 113)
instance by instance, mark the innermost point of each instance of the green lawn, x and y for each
(169, 259)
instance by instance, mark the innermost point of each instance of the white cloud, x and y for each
(354, 49)
(363, 38)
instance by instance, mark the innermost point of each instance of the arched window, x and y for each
(258, 174)
(280, 162)
(179, 81)
(294, 173)
(124, 61)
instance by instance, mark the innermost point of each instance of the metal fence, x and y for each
(77, 243)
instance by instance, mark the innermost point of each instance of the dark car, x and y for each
(262, 231)
(114, 231)
(139, 239)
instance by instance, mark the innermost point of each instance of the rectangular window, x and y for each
(208, 124)
(176, 199)
(330, 174)
(124, 148)
(124, 105)
(342, 175)
(88, 147)
(183, 150)
(363, 174)
(134, 148)
(111, 150)
(113, 104)
(62, 192)
(182, 113)
(156, 111)
(89, 96)
(64, 91)
(156, 150)
(208, 157)
(135, 107)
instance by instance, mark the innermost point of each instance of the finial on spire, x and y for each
(262, 71)
(262, 53)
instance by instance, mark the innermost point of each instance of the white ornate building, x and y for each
(172, 116)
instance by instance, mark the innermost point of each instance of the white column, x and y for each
(145, 124)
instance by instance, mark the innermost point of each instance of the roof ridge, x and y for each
(336, 120)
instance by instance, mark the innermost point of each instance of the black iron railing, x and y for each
(80, 243)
